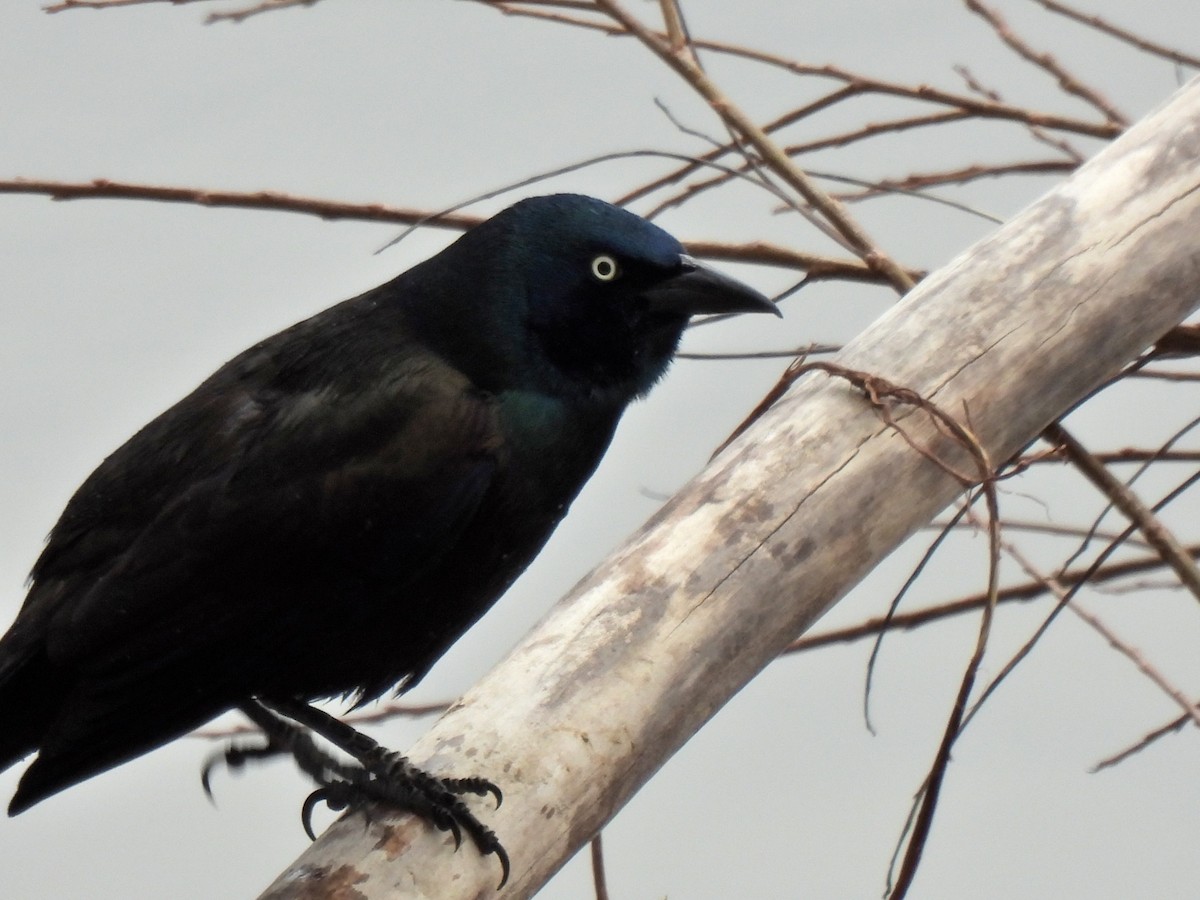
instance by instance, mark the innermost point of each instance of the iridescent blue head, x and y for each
(585, 297)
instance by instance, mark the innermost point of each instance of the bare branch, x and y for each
(1156, 533)
(861, 83)
(1121, 34)
(818, 267)
(264, 6)
(1047, 63)
(66, 5)
(1109, 635)
(599, 877)
(1030, 590)
(965, 175)
(1175, 725)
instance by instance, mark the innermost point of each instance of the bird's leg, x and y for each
(284, 738)
(279, 741)
(367, 750)
(234, 757)
(384, 777)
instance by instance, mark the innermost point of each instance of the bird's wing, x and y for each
(371, 479)
(229, 539)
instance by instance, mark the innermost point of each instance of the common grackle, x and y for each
(328, 512)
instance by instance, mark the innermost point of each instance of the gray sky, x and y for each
(112, 310)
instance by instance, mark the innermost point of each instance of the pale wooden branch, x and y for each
(649, 645)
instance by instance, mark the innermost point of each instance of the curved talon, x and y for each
(436, 800)
(310, 804)
(445, 820)
(234, 757)
(478, 786)
(205, 772)
(505, 866)
(335, 796)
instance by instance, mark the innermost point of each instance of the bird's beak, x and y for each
(698, 290)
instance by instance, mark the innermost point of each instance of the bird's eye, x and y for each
(605, 268)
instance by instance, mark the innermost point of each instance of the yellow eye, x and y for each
(605, 268)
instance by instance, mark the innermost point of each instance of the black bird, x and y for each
(334, 507)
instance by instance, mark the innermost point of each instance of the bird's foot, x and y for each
(377, 775)
(395, 766)
(234, 757)
(390, 779)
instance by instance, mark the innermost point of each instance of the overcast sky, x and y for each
(114, 309)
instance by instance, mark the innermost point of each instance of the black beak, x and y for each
(698, 290)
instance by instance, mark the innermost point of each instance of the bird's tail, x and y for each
(28, 691)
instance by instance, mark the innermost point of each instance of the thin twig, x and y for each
(1175, 725)
(599, 876)
(862, 83)
(1113, 457)
(1121, 34)
(1094, 567)
(918, 181)
(1029, 590)
(1109, 635)
(1155, 532)
(1062, 145)
(759, 252)
(1047, 63)
(105, 4)
(931, 791)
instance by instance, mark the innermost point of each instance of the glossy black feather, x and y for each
(332, 508)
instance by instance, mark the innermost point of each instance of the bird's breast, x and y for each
(552, 445)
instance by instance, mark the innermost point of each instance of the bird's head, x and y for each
(589, 297)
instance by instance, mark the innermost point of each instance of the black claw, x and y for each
(310, 804)
(445, 820)
(505, 867)
(233, 757)
(205, 772)
(486, 842)
(479, 786)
